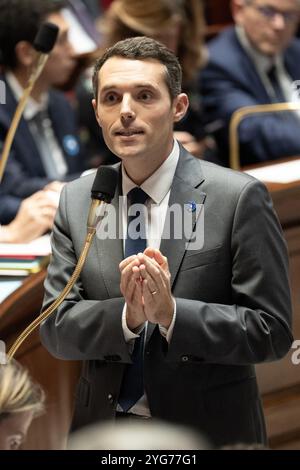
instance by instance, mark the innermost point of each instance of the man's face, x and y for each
(61, 61)
(135, 111)
(269, 24)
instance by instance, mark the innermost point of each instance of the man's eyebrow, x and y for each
(115, 86)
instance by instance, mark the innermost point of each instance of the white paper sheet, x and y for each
(82, 43)
(39, 247)
(7, 287)
(278, 173)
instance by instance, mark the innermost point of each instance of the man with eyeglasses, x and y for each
(255, 62)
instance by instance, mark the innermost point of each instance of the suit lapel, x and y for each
(247, 71)
(110, 250)
(290, 60)
(187, 178)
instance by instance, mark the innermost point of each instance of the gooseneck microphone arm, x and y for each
(102, 193)
(43, 43)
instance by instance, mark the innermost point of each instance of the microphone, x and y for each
(46, 38)
(43, 44)
(103, 191)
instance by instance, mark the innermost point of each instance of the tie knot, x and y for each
(278, 93)
(137, 196)
(40, 118)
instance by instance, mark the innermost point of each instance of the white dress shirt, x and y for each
(263, 63)
(158, 188)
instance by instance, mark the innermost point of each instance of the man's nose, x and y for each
(279, 21)
(127, 112)
(70, 51)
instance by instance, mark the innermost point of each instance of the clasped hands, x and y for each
(145, 285)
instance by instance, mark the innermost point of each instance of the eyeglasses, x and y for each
(270, 13)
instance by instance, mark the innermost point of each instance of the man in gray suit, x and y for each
(207, 314)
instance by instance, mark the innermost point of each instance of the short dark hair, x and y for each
(20, 21)
(142, 48)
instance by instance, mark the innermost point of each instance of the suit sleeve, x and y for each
(262, 137)
(9, 206)
(16, 181)
(257, 326)
(79, 329)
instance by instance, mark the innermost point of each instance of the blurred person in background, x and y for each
(20, 401)
(179, 25)
(93, 6)
(252, 63)
(46, 150)
(35, 217)
(136, 435)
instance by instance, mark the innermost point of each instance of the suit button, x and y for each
(116, 358)
(110, 398)
(112, 358)
(184, 358)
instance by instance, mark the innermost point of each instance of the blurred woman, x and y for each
(179, 24)
(20, 401)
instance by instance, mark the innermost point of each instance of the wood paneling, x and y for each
(279, 381)
(58, 378)
(217, 15)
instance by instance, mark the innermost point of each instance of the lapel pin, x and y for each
(70, 145)
(191, 206)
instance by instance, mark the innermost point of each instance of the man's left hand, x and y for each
(156, 287)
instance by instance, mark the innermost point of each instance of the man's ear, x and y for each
(25, 54)
(180, 106)
(94, 103)
(237, 7)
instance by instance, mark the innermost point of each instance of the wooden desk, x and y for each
(58, 378)
(279, 381)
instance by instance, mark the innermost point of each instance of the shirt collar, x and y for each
(32, 107)
(159, 183)
(262, 61)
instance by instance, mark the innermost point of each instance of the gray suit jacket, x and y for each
(233, 307)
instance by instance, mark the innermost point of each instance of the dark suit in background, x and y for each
(229, 82)
(232, 298)
(25, 174)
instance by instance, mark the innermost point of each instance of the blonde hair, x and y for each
(129, 18)
(18, 392)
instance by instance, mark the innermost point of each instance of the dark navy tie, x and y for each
(132, 388)
(40, 125)
(278, 93)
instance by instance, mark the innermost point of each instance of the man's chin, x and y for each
(127, 151)
(271, 50)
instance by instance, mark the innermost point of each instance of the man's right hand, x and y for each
(132, 292)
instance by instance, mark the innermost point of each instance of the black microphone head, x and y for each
(105, 183)
(46, 38)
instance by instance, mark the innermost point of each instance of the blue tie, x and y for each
(132, 388)
(278, 93)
